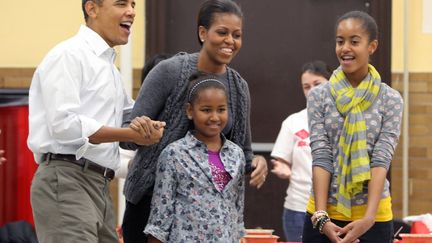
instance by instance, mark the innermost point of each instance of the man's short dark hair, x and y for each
(98, 2)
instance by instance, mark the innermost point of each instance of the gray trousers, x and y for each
(71, 204)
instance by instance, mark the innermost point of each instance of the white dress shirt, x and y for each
(75, 91)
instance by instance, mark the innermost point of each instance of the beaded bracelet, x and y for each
(317, 216)
(315, 220)
(322, 223)
(319, 221)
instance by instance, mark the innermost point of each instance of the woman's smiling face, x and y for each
(223, 39)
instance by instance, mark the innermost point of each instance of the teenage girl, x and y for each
(354, 122)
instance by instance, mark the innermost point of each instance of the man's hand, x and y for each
(260, 172)
(142, 125)
(150, 131)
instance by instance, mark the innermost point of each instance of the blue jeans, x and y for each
(293, 222)
(380, 232)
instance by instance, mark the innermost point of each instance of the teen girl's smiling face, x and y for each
(222, 40)
(353, 48)
(209, 112)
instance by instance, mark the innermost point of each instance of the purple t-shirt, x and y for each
(220, 176)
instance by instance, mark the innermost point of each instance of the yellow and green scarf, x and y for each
(353, 158)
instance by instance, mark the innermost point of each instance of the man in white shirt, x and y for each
(77, 102)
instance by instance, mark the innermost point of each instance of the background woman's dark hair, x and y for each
(210, 7)
(317, 67)
(368, 23)
(200, 76)
(151, 63)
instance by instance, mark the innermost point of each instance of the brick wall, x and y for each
(420, 147)
(21, 78)
(15, 77)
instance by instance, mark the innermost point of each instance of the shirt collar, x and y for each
(192, 141)
(95, 41)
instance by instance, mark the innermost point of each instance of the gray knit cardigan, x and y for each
(163, 97)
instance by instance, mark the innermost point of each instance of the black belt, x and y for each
(85, 163)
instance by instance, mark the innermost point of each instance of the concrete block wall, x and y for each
(420, 147)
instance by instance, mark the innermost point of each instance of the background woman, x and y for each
(292, 155)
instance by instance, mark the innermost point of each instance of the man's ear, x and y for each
(91, 9)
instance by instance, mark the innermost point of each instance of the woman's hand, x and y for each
(281, 169)
(260, 172)
(355, 229)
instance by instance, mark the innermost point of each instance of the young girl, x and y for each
(355, 125)
(199, 189)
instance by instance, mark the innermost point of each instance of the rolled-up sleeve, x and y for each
(162, 206)
(240, 205)
(319, 140)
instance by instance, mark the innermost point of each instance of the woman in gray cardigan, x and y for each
(162, 97)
